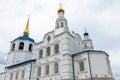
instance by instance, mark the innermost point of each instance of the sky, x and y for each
(100, 17)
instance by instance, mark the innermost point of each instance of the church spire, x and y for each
(26, 31)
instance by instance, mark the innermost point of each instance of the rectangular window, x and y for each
(11, 76)
(23, 74)
(39, 71)
(40, 53)
(56, 48)
(47, 69)
(16, 75)
(56, 67)
(61, 24)
(82, 67)
(48, 51)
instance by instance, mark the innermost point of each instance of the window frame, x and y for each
(13, 47)
(56, 67)
(40, 53)
(56, 48)
(23, 74)
(48, 51)
(82, 66)
(62, 24)
(21, 46)
(17, 74)
(47, 69)
(39, 71)
(11, 76)
(30, 47)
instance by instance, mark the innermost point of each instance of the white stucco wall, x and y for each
(18, 56)
(68, 45)
(98, 64)
(2, 75)
(23, 67)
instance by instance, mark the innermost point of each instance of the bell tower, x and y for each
(21, 48)
(87, 42)
(61, 22)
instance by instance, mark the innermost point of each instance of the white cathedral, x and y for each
(61, 55)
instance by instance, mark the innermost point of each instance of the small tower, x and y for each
(87, 42)
(21, 48)
(61, 21)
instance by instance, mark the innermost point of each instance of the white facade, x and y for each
(21, 72)
(2, 75)
(61, 55)
(66, 42)
(97, 65)
(24, 55)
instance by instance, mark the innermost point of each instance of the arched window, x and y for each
(48, 51)
(56, 68)
(82, 67)
(47, 69)
(13, 47)
(40, 53)
(61, 24)
(21, 46)
(56, 48)
(39, 71)
(30, 47)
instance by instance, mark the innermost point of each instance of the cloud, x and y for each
(101, 18)
(3, 58)
(2, 61)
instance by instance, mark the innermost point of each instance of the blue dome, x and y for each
(86, 34)
(25, 37)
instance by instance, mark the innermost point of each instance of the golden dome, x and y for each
(60, 10)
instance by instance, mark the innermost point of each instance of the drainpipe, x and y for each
(5, 73)
(30, 70)
(89, 65)
(73, 67)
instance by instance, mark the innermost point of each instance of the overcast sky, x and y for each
(101, 18)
